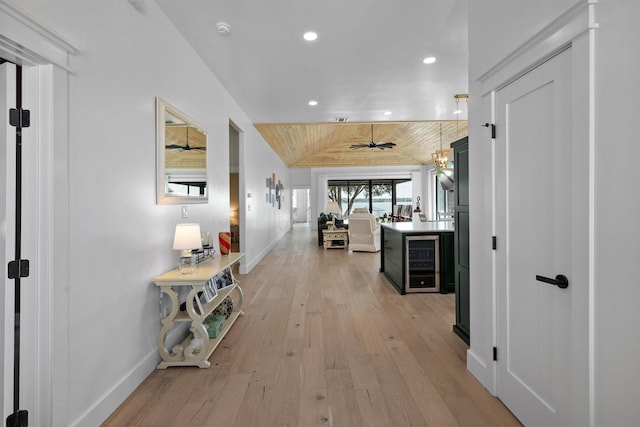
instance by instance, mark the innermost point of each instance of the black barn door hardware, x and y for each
(560, 281)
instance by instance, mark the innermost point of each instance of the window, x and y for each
(378, 196)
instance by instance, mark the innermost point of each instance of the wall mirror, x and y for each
(181, 152)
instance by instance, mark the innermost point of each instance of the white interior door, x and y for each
(541, 226)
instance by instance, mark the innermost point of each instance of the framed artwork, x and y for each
(224, 279)
(212, 287)
(219, 282)
(199, 303)
(228, 277)
(209, 291)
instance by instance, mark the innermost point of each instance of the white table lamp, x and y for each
(187, 238)
(334, 208)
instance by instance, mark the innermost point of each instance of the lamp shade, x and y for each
(334, 207)
(187, 237)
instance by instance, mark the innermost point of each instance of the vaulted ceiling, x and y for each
(366, 61)
(304, 145)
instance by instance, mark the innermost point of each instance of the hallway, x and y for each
(325, 341)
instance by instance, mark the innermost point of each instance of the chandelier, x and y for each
(441, 157)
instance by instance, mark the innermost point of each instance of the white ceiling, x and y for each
(367, 58)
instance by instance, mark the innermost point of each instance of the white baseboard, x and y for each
(247, 266)
(482, 372)
(109, 402)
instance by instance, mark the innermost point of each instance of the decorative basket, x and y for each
(225, 308)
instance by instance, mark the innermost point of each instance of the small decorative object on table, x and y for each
(204, 254)
(224, 240)
(416, 212)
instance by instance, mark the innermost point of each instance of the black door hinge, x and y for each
(493, 129)
(19, 268)
(495, 354)
(494, 242)
(19, 117)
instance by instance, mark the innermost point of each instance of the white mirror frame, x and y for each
(163, 108)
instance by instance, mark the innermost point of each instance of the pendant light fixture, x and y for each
(458, 111)
(441, 157)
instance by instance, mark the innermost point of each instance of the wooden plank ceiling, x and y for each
(311, 145)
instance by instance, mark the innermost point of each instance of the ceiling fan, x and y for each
(185, 147)
(373, 145)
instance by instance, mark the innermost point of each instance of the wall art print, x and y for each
(275, 191)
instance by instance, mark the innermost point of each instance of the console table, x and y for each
(335, 238)
(197, 347)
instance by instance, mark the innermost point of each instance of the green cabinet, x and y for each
(391, 255)
(461, 237)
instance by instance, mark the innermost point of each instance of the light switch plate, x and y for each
(185, 212)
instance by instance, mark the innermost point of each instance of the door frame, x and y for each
(576, 27)
(43, 55)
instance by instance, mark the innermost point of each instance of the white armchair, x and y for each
(364, 232)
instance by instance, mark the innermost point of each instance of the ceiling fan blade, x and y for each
(385, 145)
(184, 147)
(356, 146)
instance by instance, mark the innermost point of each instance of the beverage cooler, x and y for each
(422, 264)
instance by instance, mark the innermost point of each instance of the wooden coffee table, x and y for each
(338, 239)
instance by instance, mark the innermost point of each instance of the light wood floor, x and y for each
(326, 341)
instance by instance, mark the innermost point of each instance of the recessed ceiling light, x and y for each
(313, 102)
(429, 60)
(310, 36)
(387, 113)
(223, 28)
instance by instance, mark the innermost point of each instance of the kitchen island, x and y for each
(418, 256)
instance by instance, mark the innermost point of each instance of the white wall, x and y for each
(118, 238)
(300, 177)
(496, 28)
(265, 224)
(617, 213)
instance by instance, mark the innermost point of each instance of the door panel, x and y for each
(536, 326)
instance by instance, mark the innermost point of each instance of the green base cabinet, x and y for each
(394, 256)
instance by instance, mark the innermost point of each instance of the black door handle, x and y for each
(560, 281)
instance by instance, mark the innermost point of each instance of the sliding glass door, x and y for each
(378, 196)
